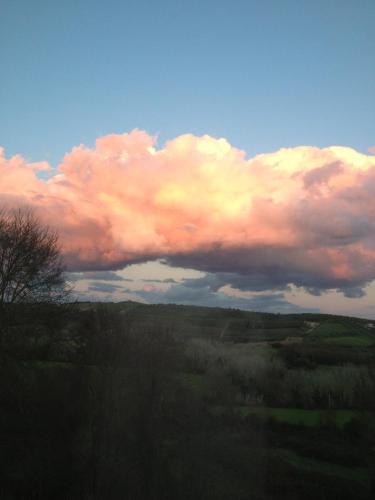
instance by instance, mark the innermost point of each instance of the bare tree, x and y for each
(31, 268)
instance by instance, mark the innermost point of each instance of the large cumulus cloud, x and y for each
(303, 216)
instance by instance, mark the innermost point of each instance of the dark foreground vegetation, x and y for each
(136, 402)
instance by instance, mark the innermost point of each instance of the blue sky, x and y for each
(263, 74)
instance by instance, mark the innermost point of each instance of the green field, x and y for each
(298, 416)
(341, 334)
(359, 341)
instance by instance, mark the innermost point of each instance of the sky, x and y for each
(202, 152)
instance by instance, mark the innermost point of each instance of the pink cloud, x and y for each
(305, 212)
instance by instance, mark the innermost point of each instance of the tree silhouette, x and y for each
(31, 267)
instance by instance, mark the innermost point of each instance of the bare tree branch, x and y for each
(31, 267)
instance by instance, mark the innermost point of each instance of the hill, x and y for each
(236, 325)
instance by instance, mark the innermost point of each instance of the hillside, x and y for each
(236, 325)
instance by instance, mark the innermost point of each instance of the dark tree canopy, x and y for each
(31, 267)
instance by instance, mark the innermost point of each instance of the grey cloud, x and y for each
(267, 268)
(254, 282)
(73, 277)
(167, 280)
(95, 275)
(103, 276)
(317, 292)
(353, 292)
(104, 287)
(204, 296)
